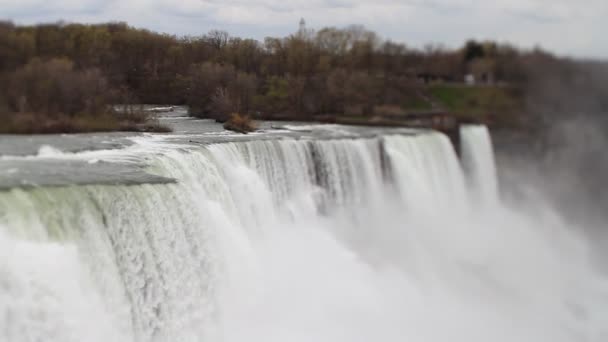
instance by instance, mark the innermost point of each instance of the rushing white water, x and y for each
(478, 157)
(376, 239)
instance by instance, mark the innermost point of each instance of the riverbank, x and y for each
(441, 107)
(27, 123)
(493, 105)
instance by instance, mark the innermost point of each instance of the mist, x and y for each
(561, 158)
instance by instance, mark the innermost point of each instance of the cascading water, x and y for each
(371, 239)
(478, 156)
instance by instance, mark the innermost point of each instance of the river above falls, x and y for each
(120, 158)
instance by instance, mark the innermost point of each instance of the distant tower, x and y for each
(302, 29)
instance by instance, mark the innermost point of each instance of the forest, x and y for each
(64, 77)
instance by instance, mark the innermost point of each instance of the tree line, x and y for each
(333, 71)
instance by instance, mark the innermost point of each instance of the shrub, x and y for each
(240, 123)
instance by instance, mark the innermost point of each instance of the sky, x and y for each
(566, 27)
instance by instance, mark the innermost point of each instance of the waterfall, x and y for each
(427, 171)
(478, 157)
(294, 239)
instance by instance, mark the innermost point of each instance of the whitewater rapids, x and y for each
(386, 238)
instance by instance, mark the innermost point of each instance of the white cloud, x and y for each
(26, 7)
(564, 26)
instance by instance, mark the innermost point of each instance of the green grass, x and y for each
(498, 104)
(476, 99)
(416, 104)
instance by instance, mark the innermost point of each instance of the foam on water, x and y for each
(46, 295)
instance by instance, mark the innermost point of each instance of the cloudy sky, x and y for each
(567, 27)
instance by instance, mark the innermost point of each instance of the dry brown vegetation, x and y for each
(55, 88)
(54, 97)
(240, 123)
(216, 91)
